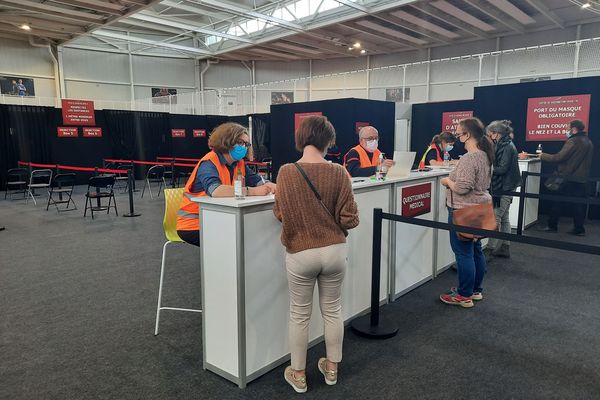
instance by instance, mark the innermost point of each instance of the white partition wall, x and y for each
(530, 212)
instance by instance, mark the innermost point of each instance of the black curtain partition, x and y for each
(261, 136)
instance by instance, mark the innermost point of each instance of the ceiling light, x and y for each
(363, 51)
(586, 5)
(356, 45)
(25, 27)
(349, 48)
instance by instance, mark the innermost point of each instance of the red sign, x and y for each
(78, 112)
(92, 132)
(67, 132)
(199, 132)
(359, 125)
(451, 119)
(416, 200)
(298, 117)
(178, 133)
(548, 117)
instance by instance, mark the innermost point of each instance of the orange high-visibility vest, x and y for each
(188, 214)
(437, 155)
(364, 157)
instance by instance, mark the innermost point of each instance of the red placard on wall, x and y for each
(199, 132)
(416, 200)
(178, 133)
(359, 125)
(92, 132)
(451, 119)
(64, 131)
(548, 117)
(78, 112)
(298, 117)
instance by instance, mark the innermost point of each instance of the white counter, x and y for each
(530, 213)
(244, 284)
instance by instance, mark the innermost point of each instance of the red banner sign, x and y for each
(199, 132)
(451, 119)
(359, 125)
(67, 132)
(548, 117)
(78, 112)
(178, 133)
(92, 132)
(416, 200)
(299, 117)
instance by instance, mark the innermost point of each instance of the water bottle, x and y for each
(446, 158)
(379, 172)
(539, 149)
(238, 186)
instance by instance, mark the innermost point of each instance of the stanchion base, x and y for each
(362, 327)
(131, 215)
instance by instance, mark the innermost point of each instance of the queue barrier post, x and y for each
(132, 181)
(173, 174)
(371, 325)
(522, 200)
(130, 184)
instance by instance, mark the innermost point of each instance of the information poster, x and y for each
(199, 133)
(64, 131)
(548, 117)
(451, 119)
(299, 117)
(92, 132)
(178, 133)
(78, 112)
(416, 200)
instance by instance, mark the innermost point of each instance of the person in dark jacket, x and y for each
(574, 160)
(505, 178)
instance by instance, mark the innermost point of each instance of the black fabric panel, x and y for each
(261, 136)
(188, 147)
(8, 145)
(342, 113)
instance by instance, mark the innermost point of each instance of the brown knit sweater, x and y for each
(305, 223)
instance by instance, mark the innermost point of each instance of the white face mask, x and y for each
(568, 134)
(372, 145)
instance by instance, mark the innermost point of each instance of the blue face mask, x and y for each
(238, 152)
(449, 147)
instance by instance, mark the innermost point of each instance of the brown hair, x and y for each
(475, 128)
(316, 131)
(444, 136)
(577, 124)
(225, 136)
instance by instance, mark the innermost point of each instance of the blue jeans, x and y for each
(470, 262)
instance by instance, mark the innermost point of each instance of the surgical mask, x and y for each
(238, 152)
(372, 145)
(449, 148)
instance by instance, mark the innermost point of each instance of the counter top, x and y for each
(356, 185)
(532, 159)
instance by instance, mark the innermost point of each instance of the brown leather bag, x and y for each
(480, 216)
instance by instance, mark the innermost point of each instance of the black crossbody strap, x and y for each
(317, 195)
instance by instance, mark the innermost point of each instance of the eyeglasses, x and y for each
(245, 144)
(368, 139)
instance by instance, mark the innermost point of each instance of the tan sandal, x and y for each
(298, 383)
(330, 376)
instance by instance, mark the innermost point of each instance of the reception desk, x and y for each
(244, 284)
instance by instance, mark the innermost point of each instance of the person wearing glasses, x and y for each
(214, 174)
(362, 159)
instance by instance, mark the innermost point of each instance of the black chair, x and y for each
(156, 174)
(121, 179)
(100, 187)
(16, 182)
(62, 185)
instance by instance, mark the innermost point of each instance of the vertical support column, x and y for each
(253, 86)
(427, 88)
(577, 48)
(309, 81)
(61, 73)
(131, 87)
(480, 67)
(404, 83)
(497, 61)
(368, 86)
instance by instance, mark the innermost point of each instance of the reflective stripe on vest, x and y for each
(437, 155)
(364, 157)
(187, 216)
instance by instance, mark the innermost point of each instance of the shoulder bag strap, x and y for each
(314, 190)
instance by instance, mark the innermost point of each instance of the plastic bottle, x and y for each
(380, 169)
(238, 186)
(446, 158)
(539, 149)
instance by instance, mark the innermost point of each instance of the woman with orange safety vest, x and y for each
(214, 175)
(362, 160)
(435, 152)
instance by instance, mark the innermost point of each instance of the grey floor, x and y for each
(78, 298)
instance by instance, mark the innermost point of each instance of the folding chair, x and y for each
(16, 182)
(63, 185)
(102, 187)
(156, 174)
(121, 179)
(39, 179)
(172, 202)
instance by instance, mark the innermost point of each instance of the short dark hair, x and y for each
(316, 131)
(578, 124)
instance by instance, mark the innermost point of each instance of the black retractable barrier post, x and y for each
(522, 200)
(130, 183)
(173, 174)
(371, 326)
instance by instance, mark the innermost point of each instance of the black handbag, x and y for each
(554, 183)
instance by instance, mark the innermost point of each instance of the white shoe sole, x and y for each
(296, 388)
(327, 381)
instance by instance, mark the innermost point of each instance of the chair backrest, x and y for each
(17, 175)
(156, 172)
(40, 176)
(64, 180)
(172, 202)
(101, 181)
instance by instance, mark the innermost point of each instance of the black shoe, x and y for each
(576, 232)
(548, 229)
(488, 254)
(503, 251)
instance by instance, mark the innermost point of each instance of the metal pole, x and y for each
(522, 202)
(131, 182)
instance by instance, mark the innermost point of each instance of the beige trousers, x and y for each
(326, 266)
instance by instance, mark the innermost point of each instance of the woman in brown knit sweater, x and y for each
(314, 233)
